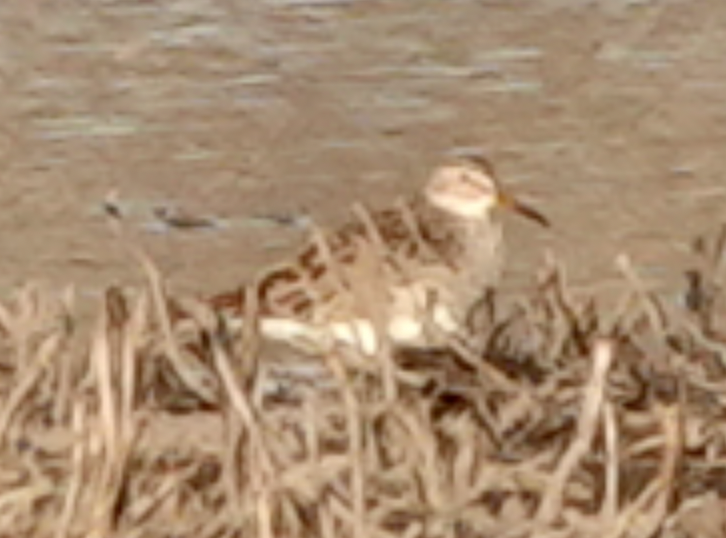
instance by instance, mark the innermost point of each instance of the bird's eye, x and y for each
(472, 182)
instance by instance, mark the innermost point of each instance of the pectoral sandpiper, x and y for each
(409, 273)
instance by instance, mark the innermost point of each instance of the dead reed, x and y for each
(557, 419)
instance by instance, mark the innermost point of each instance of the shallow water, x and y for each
(609, 116)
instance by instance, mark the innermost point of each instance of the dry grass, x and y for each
(558, 419)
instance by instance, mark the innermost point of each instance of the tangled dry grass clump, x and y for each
(562, 419)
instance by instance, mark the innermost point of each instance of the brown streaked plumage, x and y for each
(420, 264)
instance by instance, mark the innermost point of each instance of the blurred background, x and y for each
(609, 116)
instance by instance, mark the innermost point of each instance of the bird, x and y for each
(406, 274)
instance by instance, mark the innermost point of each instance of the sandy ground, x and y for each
(609, 116)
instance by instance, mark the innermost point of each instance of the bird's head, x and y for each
(470, 191)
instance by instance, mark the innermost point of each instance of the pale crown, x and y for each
(463, 191)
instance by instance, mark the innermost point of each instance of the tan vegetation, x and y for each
(559, 418)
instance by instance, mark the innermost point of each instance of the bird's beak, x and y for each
(509, 202)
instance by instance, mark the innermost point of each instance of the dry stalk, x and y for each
(77, 478)
(263, 473)
(141, 509)
(29, 380)
(66, 365)
(250, 338)
(320, 241)
(112, 344)
(609, 508)
(194, 376)
(354, 416)
(372, 231)
(373, 255)
(654, 311)
(248, 355)
(413, 226)
(552, 501)
(645, 515)
(132, 339)
(714, 345)
(569, 321)
(102, 361)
